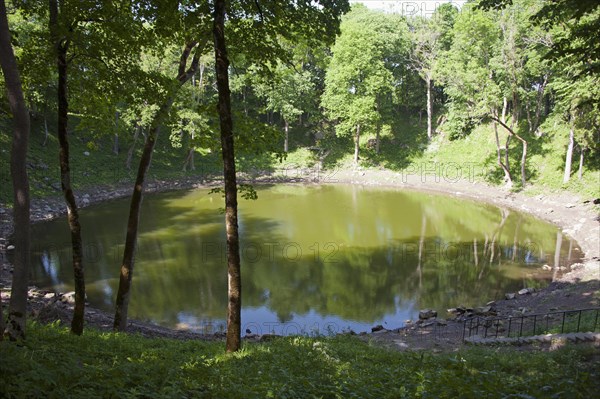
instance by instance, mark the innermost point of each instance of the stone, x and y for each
(510, 296)
(10, 247)
(86, 153)
(427, 314)
(378, 327)
(546, 267)
(401, 344)
(577, 266)
(570, 206)
(526, 291)
(68, 297)
(483, 311)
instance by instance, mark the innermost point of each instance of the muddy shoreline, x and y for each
(576, 216)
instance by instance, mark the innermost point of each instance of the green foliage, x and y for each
(358, 74)
(56, 364)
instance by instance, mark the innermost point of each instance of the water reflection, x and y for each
(314, 258)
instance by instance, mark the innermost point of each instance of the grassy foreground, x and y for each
(55, 364)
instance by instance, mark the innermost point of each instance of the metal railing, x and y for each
(559, 322)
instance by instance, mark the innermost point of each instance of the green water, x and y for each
(314, 258)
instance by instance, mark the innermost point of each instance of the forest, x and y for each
(125, 92)
(524, 78)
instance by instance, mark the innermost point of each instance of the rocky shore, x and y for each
(578, 218)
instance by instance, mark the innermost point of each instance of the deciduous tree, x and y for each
(18, 169)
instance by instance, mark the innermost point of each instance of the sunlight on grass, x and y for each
(57, 364)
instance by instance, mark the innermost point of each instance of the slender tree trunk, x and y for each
(116, 141)
(377, 137)
(529, 119)
(136, 134)
(356, 144)
(192, 152)
(201, 80)
(46, 133)
(62, 47)
(377, 129)
(429, 108)
(580, 171)
(569, 157)
(507, 176)
(504, 108)
(127, 265)
(516, 114)
(538, 106)
(234, 323)
(523, 143)
(507, 152)
(287, 135)
(523, 162)
(17, 309)
(189, 159)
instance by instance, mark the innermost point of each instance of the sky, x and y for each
(408, 7)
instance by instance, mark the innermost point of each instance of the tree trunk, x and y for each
(528, 115)
(516, 112)
(523, 143)
(429, 108)
(377, 137)
(136, 134)
(46, 133)
(569, 158)
(580, 171)
(377, 128)
(233, 340)
(538, 105)
(189, 159)
(116, 141)
(506, 152)
(287, 135)
(126, 274)
(504, 108)
(507, 176)
(356, 144)
(62, 47)
(17, 309)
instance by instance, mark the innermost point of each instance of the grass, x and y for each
(55, 364)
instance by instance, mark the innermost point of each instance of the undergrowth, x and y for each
(55, 364)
